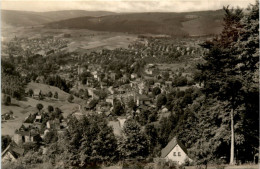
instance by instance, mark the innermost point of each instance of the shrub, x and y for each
(56, 96)
(30, 92)
(70, 98)
(7, 100)
(50, 94)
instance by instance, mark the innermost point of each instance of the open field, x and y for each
(81, 40)
(23, 108)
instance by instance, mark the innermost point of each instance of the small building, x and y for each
(142, 100)
(110, 99)
(175, 151)
(38, 119)
(26, 136)
(37, 94)
(11, 153)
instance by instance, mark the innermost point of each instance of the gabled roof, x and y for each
(14, 150)
(171, 145)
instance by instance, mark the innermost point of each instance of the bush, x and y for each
(162, 164)
(7, 100)
(56, 96)
(50, 94)
(70, 98)
(30, 92)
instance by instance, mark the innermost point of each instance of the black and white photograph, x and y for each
(129, 84)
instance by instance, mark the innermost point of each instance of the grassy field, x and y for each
(80, 40)
(23, 108)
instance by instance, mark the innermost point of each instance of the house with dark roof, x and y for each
(11, 153)
(175, 151)
(143, 100)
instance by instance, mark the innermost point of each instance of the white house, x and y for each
(175, 151)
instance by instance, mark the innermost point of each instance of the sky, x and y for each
(123, 5)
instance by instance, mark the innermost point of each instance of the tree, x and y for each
(229, 67)
(156, 91)
(70, 98)
(50, 108)
(56, 96)
(161, 100)
(39, 106)
(50, 94)
(92, 104)
(6, 140)
(134, 143)
(50, 137)
(85, 95)
(7, 100)
(118, 108)
(30, 92)
(131, 104)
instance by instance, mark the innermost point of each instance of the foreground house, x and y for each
(175, 151)
(11, 153)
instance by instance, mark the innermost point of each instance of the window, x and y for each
(174, 153)
(179, 153)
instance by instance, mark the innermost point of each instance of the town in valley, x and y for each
(144, 90)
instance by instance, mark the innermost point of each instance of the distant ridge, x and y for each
(175, 24)
(28, 18)
(199, 23)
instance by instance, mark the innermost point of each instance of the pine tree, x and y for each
(229, 68)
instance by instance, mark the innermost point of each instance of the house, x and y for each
(29, 119)
(11, 153)
(175, 151)
(38, 119)
(26, 136)
(110, 99)
(157, 84)
(142, 99)
(37, 94)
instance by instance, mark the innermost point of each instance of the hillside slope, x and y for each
(24, 18)
(174, 24)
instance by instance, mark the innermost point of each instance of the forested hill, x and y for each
(175, 24)
(28, 18)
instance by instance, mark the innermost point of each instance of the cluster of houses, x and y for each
(155, 47)
(116, 87)
(32, 130)
(29, 46)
